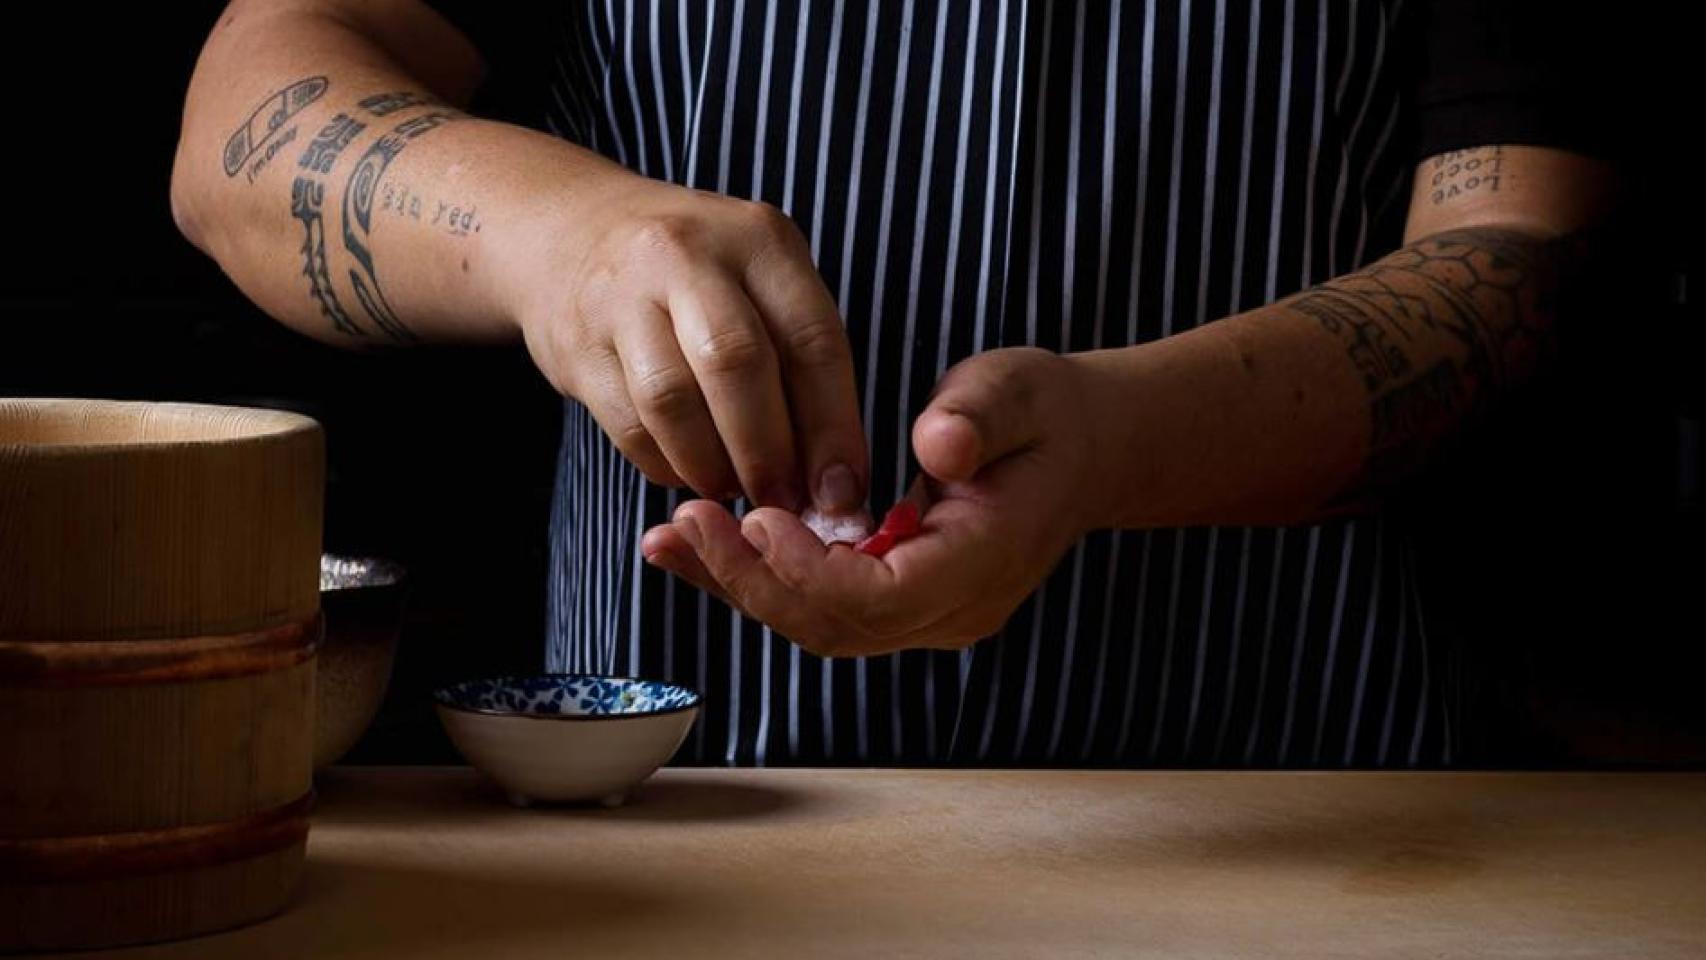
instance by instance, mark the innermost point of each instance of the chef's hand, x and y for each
(696, 330)
(1006, 441)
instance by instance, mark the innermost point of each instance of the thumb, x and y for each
(983, 410)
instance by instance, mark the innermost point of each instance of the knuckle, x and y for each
(734, 352)
(768, 223)
(667, 392)
(668, 235)
(632, 438)
(818, 344)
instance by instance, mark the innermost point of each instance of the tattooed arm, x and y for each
(1323, 401)
(324, 163)
(1282, 415)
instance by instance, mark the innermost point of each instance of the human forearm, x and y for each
(1306, 407)
(321, 165)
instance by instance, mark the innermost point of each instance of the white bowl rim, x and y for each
(383, 573)
(440, 701)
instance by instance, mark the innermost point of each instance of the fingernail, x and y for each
(757, 536)
(690, 532)
(838, 489)
(663, 560)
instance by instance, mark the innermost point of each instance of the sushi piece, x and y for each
(903, 521)
(847, 528)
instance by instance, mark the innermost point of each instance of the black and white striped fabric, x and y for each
(974, 175)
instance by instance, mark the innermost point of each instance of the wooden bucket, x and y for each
(159, 613)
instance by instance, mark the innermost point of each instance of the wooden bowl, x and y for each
(362, 601)
(159, 614)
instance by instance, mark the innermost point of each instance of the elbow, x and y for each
(187, 196)
(182, 198)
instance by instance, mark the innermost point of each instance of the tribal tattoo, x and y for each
(1484, 289)
(385, 104)
(266, 120)
(323, 150)
(359, 195)
(307, 196)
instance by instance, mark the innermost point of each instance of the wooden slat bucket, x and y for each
(159, 612)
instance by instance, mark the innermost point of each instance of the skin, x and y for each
(693, 326)
(1292, 413)
(696, 330)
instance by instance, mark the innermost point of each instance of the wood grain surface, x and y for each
(427, 863)
(159, 597)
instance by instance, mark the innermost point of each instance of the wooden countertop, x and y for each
(426, 863)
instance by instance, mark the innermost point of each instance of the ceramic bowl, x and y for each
(362, 600)
(565, 738)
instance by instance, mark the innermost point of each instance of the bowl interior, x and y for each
(37, 423)
(567, 697)
(356, 573)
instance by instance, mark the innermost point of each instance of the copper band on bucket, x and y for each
(109, 663)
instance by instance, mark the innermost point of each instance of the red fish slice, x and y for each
(900, 523)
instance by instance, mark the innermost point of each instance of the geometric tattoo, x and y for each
(358, 213)
(1488, 290)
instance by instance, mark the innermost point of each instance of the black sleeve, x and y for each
(1548, 73)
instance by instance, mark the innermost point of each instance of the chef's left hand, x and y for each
(1007, 441)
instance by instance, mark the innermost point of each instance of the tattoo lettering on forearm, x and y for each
(306, 199)
(323, 150)
(385, 104)
(359, 195)
(264, 156)
(267, 119)
(1459, 172)
(1481, 296)
(405, 202)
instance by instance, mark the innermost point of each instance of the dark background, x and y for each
(440, 459)
(1574, 541)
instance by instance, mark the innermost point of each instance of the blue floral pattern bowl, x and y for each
(567, 696)
(610, 732)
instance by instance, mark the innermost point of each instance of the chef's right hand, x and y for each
(696, 330)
